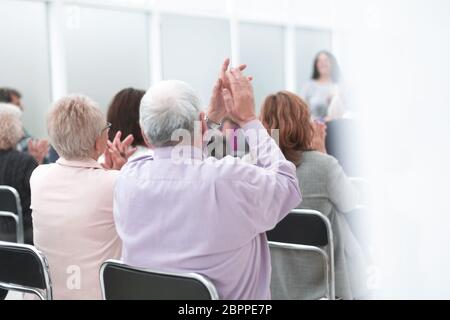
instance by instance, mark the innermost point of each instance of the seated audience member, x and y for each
(200, 214)
(123, 114)
(72, 199)
(15, 171)
(323, 183)
(38, 148)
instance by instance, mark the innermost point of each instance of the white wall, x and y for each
(396, 56)
(98, 47)
(105, 51)
(262, 47)
(24, 58)
(193, 49)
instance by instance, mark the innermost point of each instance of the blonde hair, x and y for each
(10, 108)
(10, 130)
(73, 125)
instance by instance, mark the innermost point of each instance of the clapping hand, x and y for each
(118, 152)
(239, 98)
(38, 149)
(217, 110)
(320, 133)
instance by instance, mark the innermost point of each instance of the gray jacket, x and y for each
(325, 188)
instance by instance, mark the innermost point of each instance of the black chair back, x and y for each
(25, 269)
(10, 204)
(303, 229)
(122, 282)
(8, 200)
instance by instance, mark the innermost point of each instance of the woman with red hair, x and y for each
(324, 187)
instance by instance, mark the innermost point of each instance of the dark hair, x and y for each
(289, 114)
(335, 70)
(6, 94)
(123, 114)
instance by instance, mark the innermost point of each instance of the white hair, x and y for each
(10, 125)
(166, 107)
(10, 109)
(10, 130)
(74, 124)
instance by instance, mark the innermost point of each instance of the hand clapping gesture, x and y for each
(118, 152)
(238, 98)
(38, 149)
(217, 110)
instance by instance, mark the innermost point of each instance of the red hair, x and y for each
(289, 114)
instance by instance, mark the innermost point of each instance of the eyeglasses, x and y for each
(108, 125)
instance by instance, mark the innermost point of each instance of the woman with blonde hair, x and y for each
(72, 200)
(324, 187)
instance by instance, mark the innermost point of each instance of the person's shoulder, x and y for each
(140, 153)
(319, 159)
(40, 172)
(106, 176)
(102, 180)
(109, 174)
(138, 169)
(136, 163)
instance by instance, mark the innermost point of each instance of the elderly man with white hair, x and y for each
(72, 200)
(204, 215)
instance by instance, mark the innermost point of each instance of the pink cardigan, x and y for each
(72, 203)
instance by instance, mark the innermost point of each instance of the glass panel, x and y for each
(262, 48)
(106, 51)
(193, 50)
(24, 59)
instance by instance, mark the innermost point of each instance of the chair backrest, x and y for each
(299, 272)
(123, 282)
(10, 202)
(303, 227)
(305, 230)
(23, 268)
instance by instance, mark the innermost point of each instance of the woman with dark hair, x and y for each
(323, 86)
(324, 187)
(123, 114)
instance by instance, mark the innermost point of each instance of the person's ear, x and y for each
(147, 143)
(99, 146)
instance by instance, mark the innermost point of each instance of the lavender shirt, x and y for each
(207, 216)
